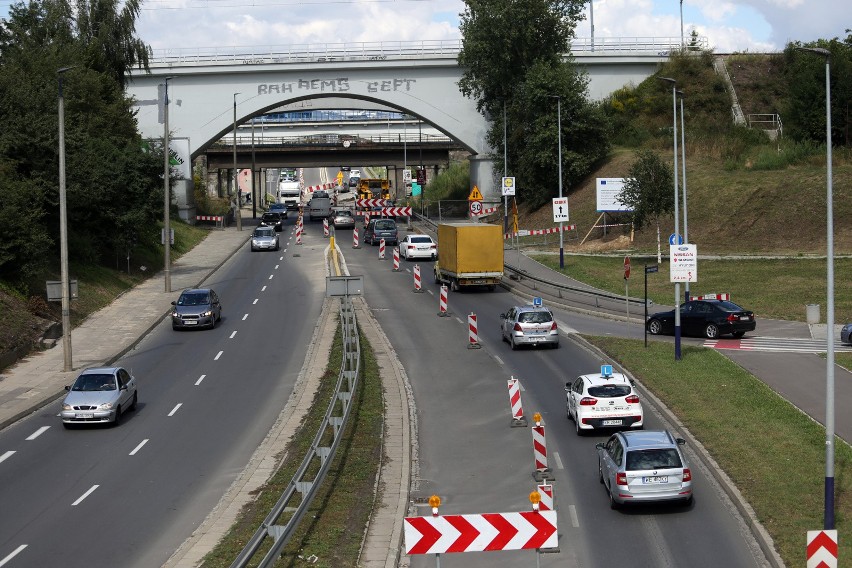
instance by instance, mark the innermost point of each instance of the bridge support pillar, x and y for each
(482, 176)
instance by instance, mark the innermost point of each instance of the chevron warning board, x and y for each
(822, 549)
(478, 533)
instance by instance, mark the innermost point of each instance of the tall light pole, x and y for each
(236, 184)
(682, 96)
(681, 24)
(592, 21)
(505, 173)
(253, 166)
(167, 230)
(676, 212)
(559, 138)
(828, 520)
(63, 235)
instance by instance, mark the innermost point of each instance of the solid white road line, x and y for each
(6, 456)
(175, 409)
(499, 361)
(245, 317)
(233, 333)
(201, 378)
(139, 447)
(13, 554)
(431, 292)
(459, 320)
(575, 521)
(219, 354)
(558, 460)
(84, 495)
(38, 432)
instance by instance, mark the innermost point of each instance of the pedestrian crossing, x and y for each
(781, 344)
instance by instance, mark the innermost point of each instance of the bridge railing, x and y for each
(332, 140)
(391, 50)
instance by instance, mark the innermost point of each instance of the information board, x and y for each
(607, 191)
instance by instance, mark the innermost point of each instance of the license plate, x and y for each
(655, 479)
(611, 422)
(743, 318)
(537, 339)
(85, 415)
(190, 322)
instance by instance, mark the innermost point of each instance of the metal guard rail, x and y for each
(563, 287)
(347, 379)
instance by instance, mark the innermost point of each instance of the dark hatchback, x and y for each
(707, 318)
(272, 219)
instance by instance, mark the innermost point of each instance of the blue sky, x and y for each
(729, 25)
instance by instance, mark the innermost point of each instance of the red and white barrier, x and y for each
(418, 286)
(396, 259)
(299, 232)
(822, 549)
(725, 297)
(488, 211)
(546, 492)
(533, 232)
(540, 453)
(313, 188)
(395, 211)
(216, 218)
(381, 249)
(325, 227)
(370, 203)
(355, 243)
(515, 403)
(472, 332)
(442, 303)
(477, 533)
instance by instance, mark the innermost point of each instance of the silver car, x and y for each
(100, 394)
(529, 325)
(196, 307)
(846, 334)
(643, 466)
(264, 238)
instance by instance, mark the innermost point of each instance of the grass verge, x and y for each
(331, 531)
(777, 289)
(774, 453)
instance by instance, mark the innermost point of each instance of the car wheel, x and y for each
(253, 249)
(117, 420)
(738, 334)
(512, 343)
(68, 425)
(711, 331)
(454, 285)
(613, 504)
(134, 401)
(655, 327)
(577, 428)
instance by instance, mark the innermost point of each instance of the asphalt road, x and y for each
(469, 455)
(129, 495)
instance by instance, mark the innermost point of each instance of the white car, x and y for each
(418, 246)
(605, 400)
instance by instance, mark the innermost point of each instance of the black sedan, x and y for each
(708, 318)
(272, 219)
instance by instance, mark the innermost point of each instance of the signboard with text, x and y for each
(683, 263)
(560, 209)
(508, 186)
(607, 191)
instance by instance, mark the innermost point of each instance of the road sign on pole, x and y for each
(626, 267)
(560, 209)
(508, 188)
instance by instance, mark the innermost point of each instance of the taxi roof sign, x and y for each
(537, 302)
(606, 370)
(475, 194)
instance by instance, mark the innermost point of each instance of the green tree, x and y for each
(516, 56)
(648, 191)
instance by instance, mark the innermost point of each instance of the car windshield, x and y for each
(94, 383)
(385, 225)
(609, 391)
(421, 240)
(657, 458)
(534, 317)
(193, 299)
(263, 233)
(270, 217)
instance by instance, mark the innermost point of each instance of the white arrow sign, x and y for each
(560, 209)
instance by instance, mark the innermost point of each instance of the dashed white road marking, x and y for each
(263, 289)
(84, 495)
(276, 267)
(270, 276)
(201, 378)
(7, 455)
(459, 320)
(431, 292)
(255, 301)
(498, 359)
(233, 333)
(575, 521)
(558, 460)
(139, 447)
(219, 354)
(245, 317)
(38, 432)
(12, 554)
(175, 409)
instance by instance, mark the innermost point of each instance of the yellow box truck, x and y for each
(469, 254)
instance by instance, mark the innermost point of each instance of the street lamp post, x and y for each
(681, 24)
(505, 173)
(167, 231)
(559, 151)
(592, 21)
(253, 166)
(682, 96)
(676, 212)
(828, 520)
(63, 235)
(236, 181)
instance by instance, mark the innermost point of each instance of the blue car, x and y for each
(846, 334)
